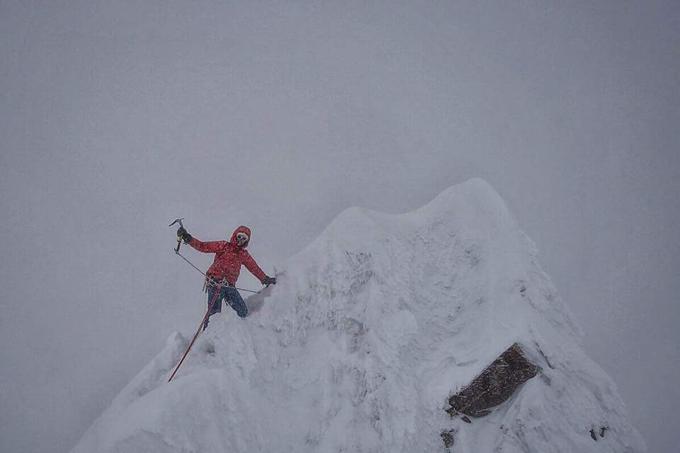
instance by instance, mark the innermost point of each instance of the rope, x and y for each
(201, 326)
(216, 296)
(210, 280)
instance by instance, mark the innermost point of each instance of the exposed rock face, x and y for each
(495, 385)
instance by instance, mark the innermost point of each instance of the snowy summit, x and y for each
(368, 333)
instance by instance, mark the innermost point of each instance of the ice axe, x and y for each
(179, 239)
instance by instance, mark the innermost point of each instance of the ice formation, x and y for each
(369, 331)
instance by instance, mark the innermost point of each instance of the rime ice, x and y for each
(370, 330)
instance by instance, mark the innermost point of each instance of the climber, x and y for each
(222, 274)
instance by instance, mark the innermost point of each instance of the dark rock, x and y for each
(594, 432)
(494, 385)
(448, 438)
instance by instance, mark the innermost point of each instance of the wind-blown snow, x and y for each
(365, 336)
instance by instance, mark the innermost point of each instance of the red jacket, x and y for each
(229, 257)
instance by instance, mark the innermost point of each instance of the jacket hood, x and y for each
(241, 229)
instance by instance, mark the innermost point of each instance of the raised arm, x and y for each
(207, 247)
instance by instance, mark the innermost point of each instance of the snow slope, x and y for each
(368, 332)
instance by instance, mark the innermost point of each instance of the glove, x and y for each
(183, 234)
(269, 281)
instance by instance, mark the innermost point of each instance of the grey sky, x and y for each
(117, 118)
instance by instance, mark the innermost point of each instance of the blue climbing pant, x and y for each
(231, 297)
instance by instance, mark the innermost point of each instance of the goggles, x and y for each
(241, 238)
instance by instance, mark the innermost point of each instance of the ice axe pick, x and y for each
(179, 239)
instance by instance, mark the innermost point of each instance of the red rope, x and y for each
(216, 295)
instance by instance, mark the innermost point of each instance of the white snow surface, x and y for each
(368, 332)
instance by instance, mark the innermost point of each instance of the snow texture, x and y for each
(368, 332)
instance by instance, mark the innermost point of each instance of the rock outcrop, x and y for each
(494, 385)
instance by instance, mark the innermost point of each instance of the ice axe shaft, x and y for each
(179, 239)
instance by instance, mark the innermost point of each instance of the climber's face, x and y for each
(242, 239)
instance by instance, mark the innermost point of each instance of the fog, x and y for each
(118, 118)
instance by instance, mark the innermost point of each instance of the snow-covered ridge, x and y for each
(369, 330)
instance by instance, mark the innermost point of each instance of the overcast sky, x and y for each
(117, 117)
